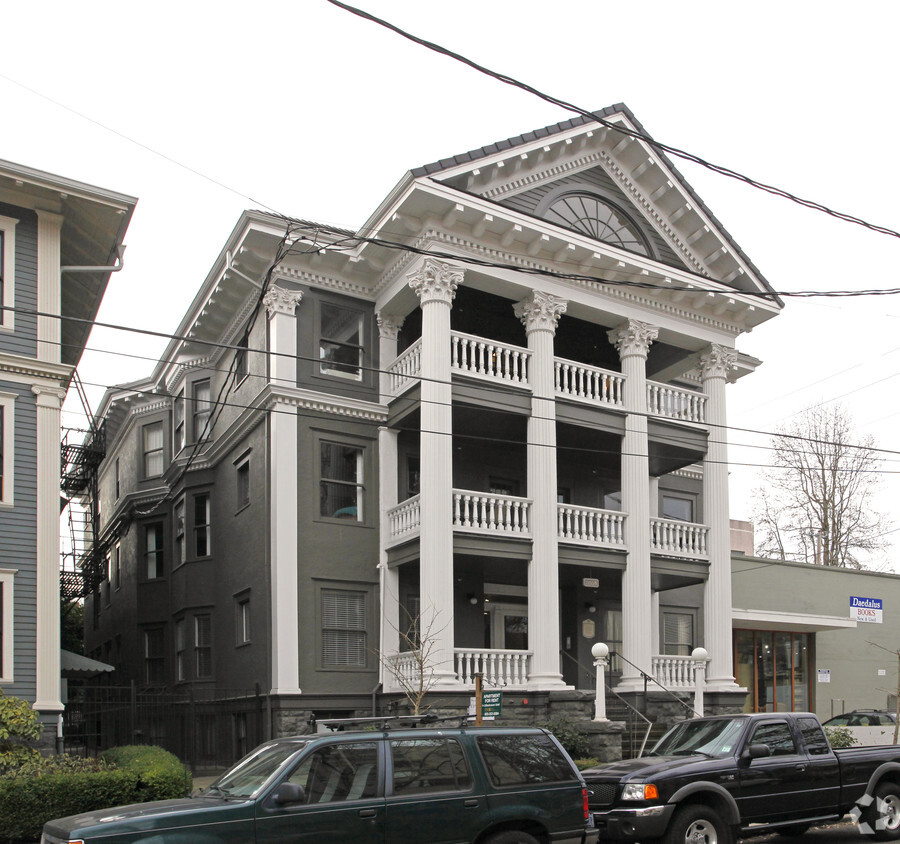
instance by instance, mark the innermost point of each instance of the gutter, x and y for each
(117, 267)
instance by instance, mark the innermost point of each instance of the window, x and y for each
(118, 486)
(201, 525)
(203, 646)
(678, 633)
(589, 214)
(6, 625)
(503, 486)
(153, 449)
(341, 482)
(153, 551)
(7, 422)
(413, 478)
(178, 418)
(7, 271)
(117, 565)
(343, 628)
(154, 656)
(180, 648)
(180, 550)
(201, 408)
(339, 772)
(429, 765)
(340, 342)
(242, 483)
(678, 508)
(777, 735)
(517, 760)
(241, 369)
(814, 737)
(242, 620)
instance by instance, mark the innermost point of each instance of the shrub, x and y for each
(840, 737)
(62, 786)
(572, 737)
(19, 725)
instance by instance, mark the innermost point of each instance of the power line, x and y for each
(379, 371)
(592, 116)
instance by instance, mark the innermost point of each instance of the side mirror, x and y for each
(289, 792)
(758, 751)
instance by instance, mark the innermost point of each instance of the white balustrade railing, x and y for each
(590, 525)
(405, 519)
(674, 672)
(484, 511)
(403, 670)
(489, 359)
(675, 403)
(497, 667)
(580, 381)
(406, 368)
(680, 539)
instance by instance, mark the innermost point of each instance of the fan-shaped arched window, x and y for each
(589, 214)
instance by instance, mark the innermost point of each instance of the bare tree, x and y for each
(816, 502)
(413, 667)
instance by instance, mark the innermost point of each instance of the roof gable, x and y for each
(625, 169)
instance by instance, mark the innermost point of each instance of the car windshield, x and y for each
(707, 738)
(249, 776)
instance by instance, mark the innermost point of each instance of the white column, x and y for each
(633, 340)
(47, 687)
(281, 305)
(388, 330)
(540, 314)
(49, 289)
(715, 364)
(389, 579)
(435, 284)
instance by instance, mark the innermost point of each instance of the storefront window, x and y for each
(774, 667)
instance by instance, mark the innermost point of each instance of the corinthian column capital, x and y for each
(717, 361)
(388, 326)
(540, 312)
(436, 281)
(279, 300)
(633, 338)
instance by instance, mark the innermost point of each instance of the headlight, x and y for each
(640, 791)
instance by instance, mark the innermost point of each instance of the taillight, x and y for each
(584, 798)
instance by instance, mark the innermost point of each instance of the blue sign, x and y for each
(866, 609)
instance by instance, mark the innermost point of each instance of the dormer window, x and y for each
(595, 217)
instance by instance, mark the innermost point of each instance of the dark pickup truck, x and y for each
(713, 780)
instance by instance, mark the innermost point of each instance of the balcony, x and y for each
(679, 539)
(506, 669)
(675, 403)
(590, 526)
(589, 384)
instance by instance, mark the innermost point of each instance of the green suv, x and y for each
(412, 786)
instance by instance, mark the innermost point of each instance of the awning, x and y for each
(796, 622)
(72, 665)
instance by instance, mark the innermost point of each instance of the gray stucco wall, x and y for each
(852, 656)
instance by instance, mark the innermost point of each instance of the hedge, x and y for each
(36, 794)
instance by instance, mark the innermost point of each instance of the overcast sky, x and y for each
(305, 109)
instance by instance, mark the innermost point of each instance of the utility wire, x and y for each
(375, 370)
(592, 116)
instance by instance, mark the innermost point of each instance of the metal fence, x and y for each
(208, 729)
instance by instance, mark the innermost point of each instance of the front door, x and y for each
(508, 626)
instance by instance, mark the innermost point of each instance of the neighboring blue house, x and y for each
(57, 237)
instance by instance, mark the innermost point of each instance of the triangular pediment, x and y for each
(580, 157)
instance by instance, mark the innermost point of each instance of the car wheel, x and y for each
(793, 830)
(883, 814)
(512, 836)
(697, 824)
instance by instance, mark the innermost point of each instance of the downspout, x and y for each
(117, 267)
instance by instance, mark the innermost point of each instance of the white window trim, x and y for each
(8, 227)
(8, 403)
(9, 605)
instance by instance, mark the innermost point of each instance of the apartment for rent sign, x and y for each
(866, 609)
